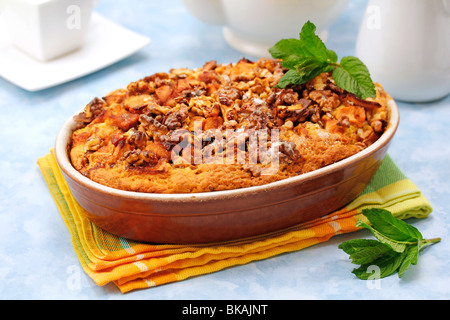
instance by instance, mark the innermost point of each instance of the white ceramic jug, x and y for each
(253, 26)
(406, 46)
(47, 29)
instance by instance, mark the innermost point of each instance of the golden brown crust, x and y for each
(221, 127)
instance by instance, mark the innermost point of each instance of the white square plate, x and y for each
(106, 43)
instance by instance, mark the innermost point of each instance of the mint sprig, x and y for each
(308, 57)
(397, 246)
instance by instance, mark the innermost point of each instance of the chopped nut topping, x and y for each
(93, 144)
(209, 115)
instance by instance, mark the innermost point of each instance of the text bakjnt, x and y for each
(231, 309)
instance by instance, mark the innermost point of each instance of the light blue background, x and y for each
(37, 260)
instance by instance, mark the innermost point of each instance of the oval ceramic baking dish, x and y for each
(224, 215)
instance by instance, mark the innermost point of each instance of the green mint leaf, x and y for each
(382, 267)
(288, 50)
(352, 75)
(290, 77)
(410, 257)
(384, 222)
(306, 68)
(332, 57)
(364, 251)
(310, 67)
(313, 46)
(397, 246)
(294, 51)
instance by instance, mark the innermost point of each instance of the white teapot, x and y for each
(253, 26)
(406, 46)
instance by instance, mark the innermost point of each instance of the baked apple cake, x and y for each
(221, 127)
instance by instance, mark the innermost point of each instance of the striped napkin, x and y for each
(132, 265)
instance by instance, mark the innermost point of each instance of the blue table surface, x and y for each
(37, 260)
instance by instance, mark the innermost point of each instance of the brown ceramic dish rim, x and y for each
(62, 158)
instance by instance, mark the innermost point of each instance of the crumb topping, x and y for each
(219, 127)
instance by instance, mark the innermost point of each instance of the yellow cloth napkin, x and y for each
(133, 265)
